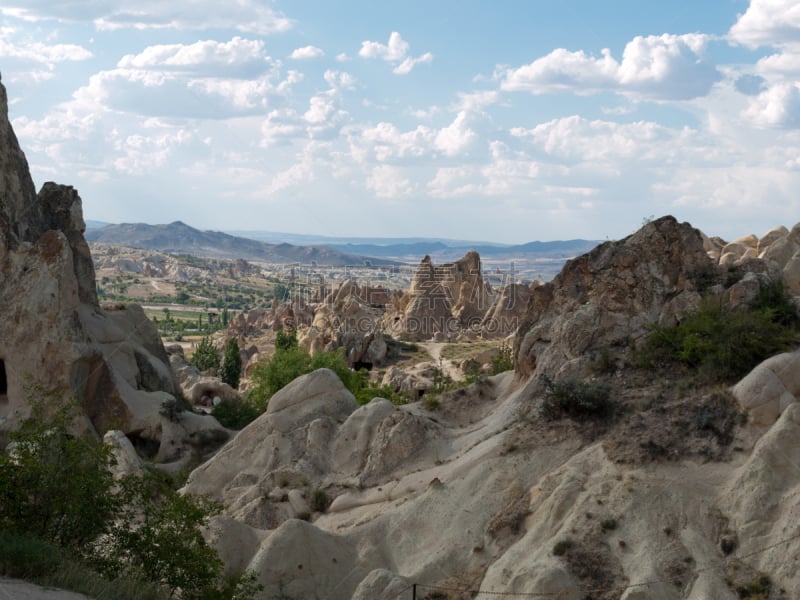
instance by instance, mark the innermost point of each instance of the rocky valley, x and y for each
(637, 447)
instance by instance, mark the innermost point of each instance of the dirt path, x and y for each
(447, 365)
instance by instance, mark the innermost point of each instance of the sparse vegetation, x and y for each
(721, 344)
(319, 500)
(758, 589)
(578, 400)
(503, 360)
(609, 524)
(562, 547)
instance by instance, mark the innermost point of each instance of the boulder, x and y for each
(770, 388)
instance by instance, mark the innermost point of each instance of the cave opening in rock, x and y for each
(3, 378)
(358, 365)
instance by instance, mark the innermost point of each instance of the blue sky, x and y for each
(502, 121)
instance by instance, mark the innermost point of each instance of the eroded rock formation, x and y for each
(54, 337)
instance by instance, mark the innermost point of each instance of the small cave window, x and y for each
(3, 378)
(358, 365)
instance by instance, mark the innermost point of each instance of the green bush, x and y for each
(206, 355)
(286, 340)
(562, 547)
(231, 368)
(579, 400)
(290, 362)
(375, 390)
(503, 360)
(723, 344)
(319, 500)
(159, 534)
(235, 414)
(57, 491)
(757, 589)
(54, 485)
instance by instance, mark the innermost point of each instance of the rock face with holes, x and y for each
(54, 336)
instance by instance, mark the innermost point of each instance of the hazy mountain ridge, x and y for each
(180, 238)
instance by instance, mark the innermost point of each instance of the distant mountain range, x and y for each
(545, 258)
(180, 238)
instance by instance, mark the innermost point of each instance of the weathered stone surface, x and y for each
(54, 335)
(610, 296)
(770, 388)
(443, 300)
(508, 311)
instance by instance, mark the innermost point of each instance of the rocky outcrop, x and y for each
(779, 248)
(609, 296)
(507, 311)
(346, 320)
(446, 300)
(56, 339)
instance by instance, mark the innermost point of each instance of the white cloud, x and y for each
(242, 15)
(456, 137)
(307, 53)
(388, 182)
(778, 106)
(43, 54)
(395, 52)
(342, 57)
(405, 67)
(140, 154)
(236, 58)
(578, 139)
(385, 142)
(339, 80)
(783, 62)
(768, 23)
(668, 67)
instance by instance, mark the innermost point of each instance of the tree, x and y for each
(54, 485)
(206, 355)
(286, 341)
(231, 368)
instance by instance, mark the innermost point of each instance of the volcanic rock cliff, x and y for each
(54, 337)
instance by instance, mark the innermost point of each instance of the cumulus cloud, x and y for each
(340, 80)
(242, 15)
(307, 53)
(668, 67)
(456, 137)
(778, 106)
(235, 58)
(768, 23)
(395, 52)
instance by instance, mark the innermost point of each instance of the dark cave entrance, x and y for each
(358, 365)
(3, 380)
